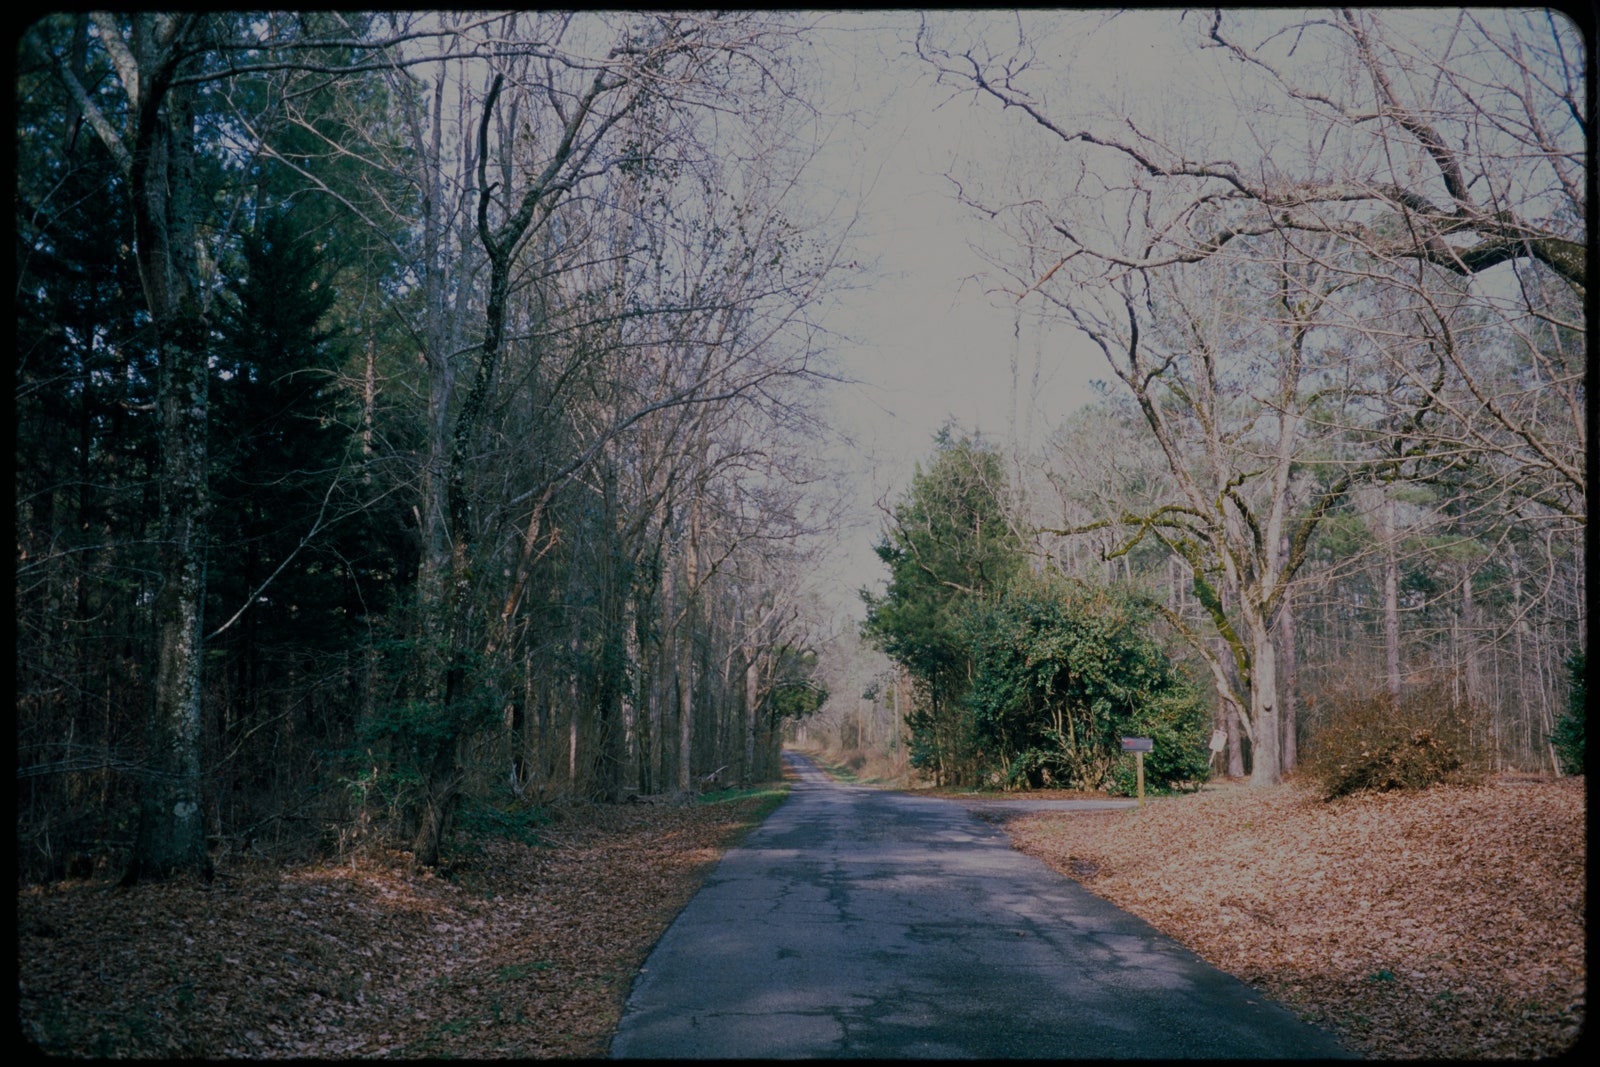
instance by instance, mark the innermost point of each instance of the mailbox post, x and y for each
(1139, 746)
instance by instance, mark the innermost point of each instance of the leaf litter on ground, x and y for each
(1441, 924)
(523, 952)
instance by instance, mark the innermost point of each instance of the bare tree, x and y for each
(635, 282)
(1436, 158)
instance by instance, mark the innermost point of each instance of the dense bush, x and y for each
(1568, 735)
(1374, 744)
(1061, 670)
(947, 545)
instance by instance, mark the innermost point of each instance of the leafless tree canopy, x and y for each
(1327, 252)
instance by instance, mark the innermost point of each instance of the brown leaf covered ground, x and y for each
(527, 952)
(1443, 924)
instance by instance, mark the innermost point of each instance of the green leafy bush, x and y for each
(1061, 670)
(1372, 744)
(1568, 735)
(948, 543)
(505, 818)
(1179, 729)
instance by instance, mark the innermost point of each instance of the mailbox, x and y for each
(1138, 744)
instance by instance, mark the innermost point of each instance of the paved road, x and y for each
(861, 923)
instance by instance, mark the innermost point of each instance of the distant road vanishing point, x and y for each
(862, 923)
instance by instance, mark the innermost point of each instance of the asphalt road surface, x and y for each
(861, 923)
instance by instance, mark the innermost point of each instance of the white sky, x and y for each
(921, 335)
(924, 334)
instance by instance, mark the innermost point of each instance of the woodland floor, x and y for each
(524, 952)
(1444, 924)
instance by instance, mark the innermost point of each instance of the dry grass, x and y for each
(863, 766)
(1447, 923)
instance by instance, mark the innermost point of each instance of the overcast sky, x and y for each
(923, 334)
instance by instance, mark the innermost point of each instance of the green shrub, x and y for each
(1371, 744)
(1568, 735)
(1062, 669)
(1178, 727)
(513, 820)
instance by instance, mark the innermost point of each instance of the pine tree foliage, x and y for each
(947, 543)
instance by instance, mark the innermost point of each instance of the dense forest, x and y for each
(413, 422)
(421, 417)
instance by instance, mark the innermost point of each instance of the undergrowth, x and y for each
(1375, 744)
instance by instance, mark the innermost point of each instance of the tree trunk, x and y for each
(443, 786)
(686, 673)
(1391, 605)
(171, 837)
(650, 766)
(1469, 638)
(752, 700)
(1229, 710)
(685, 715)
(1519, 626)
(159, 166)
(574, 702)
(631, 749)
(1265, 766)
(1287, 680)
(436, 667)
